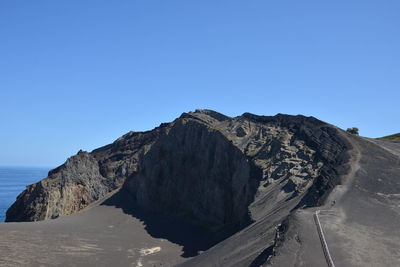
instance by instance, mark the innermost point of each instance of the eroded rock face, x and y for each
(68, 189)
(204, 167)
(195, 172)
(81, 180)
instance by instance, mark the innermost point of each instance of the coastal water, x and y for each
(13, 181)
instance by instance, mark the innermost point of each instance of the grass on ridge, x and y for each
(393, 137)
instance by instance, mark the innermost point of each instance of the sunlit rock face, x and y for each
(81, 180)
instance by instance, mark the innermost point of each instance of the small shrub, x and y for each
(353, 130)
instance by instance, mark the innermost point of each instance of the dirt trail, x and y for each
(362, 229)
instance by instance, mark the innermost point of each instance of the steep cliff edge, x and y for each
(194, 172)
(67, 190)
(204, 167)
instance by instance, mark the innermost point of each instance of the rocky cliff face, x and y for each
(67, 190)
(204, 167)
(81, 180)
(195, 172)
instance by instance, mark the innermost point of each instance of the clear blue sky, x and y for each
(79, 74)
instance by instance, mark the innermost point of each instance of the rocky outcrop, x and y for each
(204, 167)
(82, 179)
(67, 190)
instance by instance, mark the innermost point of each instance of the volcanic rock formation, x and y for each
(212, 190)
(204, 167)
(209, 170)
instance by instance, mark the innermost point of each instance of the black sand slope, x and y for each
(362, 229)
(107, 234)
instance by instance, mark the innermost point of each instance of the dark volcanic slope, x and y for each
(362, 229)
(238, 179)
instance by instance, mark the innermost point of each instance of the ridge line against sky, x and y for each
(79, 74)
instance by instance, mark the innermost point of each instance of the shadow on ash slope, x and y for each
(207, 190)
(362, 229)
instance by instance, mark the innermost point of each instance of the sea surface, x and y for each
(13, 180)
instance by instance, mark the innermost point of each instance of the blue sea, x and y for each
(13, 181)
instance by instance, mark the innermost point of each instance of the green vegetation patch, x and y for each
(393, 137)
(353, 130)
